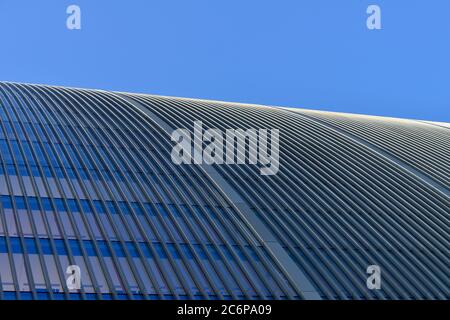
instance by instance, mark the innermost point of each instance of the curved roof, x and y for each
(351, 191)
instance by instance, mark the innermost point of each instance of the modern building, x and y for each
(87, 180)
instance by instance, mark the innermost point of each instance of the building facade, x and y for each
(87, 180)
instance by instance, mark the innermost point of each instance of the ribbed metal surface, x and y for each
(88, 173)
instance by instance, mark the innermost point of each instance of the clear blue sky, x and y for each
(300, 53)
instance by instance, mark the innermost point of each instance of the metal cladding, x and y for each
(86, 179)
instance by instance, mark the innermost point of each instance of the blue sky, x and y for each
(314, 54)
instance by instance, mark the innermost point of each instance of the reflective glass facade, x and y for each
(86, 179)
